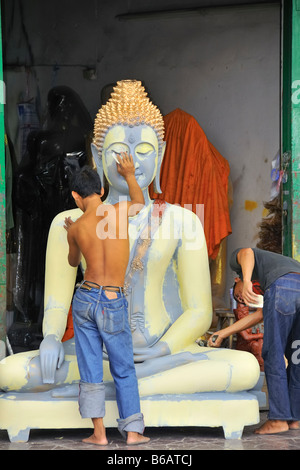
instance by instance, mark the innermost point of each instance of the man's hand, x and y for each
(248, 295)
(215, 340)
(125, 166)
(52, 356)
(68, 223)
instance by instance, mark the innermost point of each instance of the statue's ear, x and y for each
(156, 183)
(98, 162)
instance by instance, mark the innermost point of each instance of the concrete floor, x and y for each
(168, 440)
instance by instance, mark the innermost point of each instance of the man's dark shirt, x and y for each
(268, 266)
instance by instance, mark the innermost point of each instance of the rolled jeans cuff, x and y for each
(91, 400)
(134, 423)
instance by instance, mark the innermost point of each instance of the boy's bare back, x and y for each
(100, 235)
(98, 239)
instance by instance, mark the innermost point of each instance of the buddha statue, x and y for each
(167, 282)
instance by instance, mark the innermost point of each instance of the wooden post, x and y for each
(2, 204)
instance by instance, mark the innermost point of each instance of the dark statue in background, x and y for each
(41, 191)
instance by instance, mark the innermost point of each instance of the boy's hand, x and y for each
(125, 166)
(68, 223)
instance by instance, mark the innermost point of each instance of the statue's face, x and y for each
(141, 142)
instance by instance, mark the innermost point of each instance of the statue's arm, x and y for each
(194, 286)
(195, 292)
(59, 277)
(59, 286)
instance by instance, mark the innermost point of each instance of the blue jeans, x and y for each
(282, 337)
(101, 321)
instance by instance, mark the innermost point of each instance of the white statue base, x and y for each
(21, 412)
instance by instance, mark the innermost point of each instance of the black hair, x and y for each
(85, 182)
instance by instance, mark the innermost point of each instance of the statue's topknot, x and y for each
(128, 105)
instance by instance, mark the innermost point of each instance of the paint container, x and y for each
(259, 304)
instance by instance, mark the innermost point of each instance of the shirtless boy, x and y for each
(99, 306)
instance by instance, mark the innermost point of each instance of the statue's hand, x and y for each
(157, 350)
(51, 356)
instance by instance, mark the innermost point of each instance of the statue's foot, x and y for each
(134, 438)
(273, 426)
(68, 391)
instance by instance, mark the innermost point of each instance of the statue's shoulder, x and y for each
(185, 212)
(185, 223)
(59, 219)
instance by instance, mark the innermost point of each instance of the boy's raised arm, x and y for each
(126, 168)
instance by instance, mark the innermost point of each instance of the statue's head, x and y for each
(129, 122)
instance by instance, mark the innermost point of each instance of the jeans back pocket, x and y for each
(81, 310)
(114, 319)
(285, 300)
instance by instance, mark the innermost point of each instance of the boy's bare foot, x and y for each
(100, 441)
(273, 426)
(293, 424)
(134, 438)
(99, 435)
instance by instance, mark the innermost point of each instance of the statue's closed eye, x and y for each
(143, 150)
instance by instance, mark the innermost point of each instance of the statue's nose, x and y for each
(135, 160)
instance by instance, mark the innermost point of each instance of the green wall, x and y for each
(291, 127)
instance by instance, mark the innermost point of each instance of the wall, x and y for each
(220, 65)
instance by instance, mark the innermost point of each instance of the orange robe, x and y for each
(69, 333)
(194, 172)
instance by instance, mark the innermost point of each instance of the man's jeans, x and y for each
(282, 337)
(97, 321)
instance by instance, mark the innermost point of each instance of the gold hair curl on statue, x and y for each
(128, 105)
